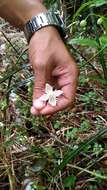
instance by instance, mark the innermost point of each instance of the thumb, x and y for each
(39, 89)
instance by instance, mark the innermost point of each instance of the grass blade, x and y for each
(71, 154)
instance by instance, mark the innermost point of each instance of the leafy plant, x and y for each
(70, 155)
(70, 181)
(97, 149)
(69, 148)
(93, 17)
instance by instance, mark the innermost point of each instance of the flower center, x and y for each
(51, 93)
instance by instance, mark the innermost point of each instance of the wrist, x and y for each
(20, 11)
(46, 34)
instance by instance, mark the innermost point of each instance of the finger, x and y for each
(39, 89)
(48, 109)
(34, 111)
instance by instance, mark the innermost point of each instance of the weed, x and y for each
(67, 150)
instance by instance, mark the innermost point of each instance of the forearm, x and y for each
(17, 12)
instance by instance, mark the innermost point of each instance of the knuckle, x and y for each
(40, 63)
(39, 85)
(38, 89)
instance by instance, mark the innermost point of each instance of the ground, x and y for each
(33, 148)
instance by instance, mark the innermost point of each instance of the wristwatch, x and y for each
(41, 20)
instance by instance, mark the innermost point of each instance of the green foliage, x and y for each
(99, 3)
(97, 149)
(72, 134)
(98, 37)
(90, 99)
(83, 23)
(69, 181)
(61, 151)
(83, 42)
(57, 125)
(103, 40)
(71, 154)
(84, 126)
(93, 187)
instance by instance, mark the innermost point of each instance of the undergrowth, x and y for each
(69, 149)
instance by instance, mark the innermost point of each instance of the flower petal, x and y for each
(58, 92)
(48, 88)
(44, 97)
(52, 100)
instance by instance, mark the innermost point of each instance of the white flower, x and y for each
(13, 97)
(51, 95)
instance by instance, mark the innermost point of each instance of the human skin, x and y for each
(51, 61)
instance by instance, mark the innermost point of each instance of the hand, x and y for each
(52, 64)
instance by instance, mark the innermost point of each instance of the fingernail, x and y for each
(38, 104)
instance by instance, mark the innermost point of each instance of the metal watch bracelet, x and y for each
(41, 20)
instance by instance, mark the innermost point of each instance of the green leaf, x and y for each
(70, 181)
(57, 125)
(99, 3)
(105, 23)
(72, 134)
(71, 154)
(103, 40)
(87, 5)
(84, 125)
(83, 6)
(83, 42)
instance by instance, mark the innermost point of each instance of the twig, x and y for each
(88, 171)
